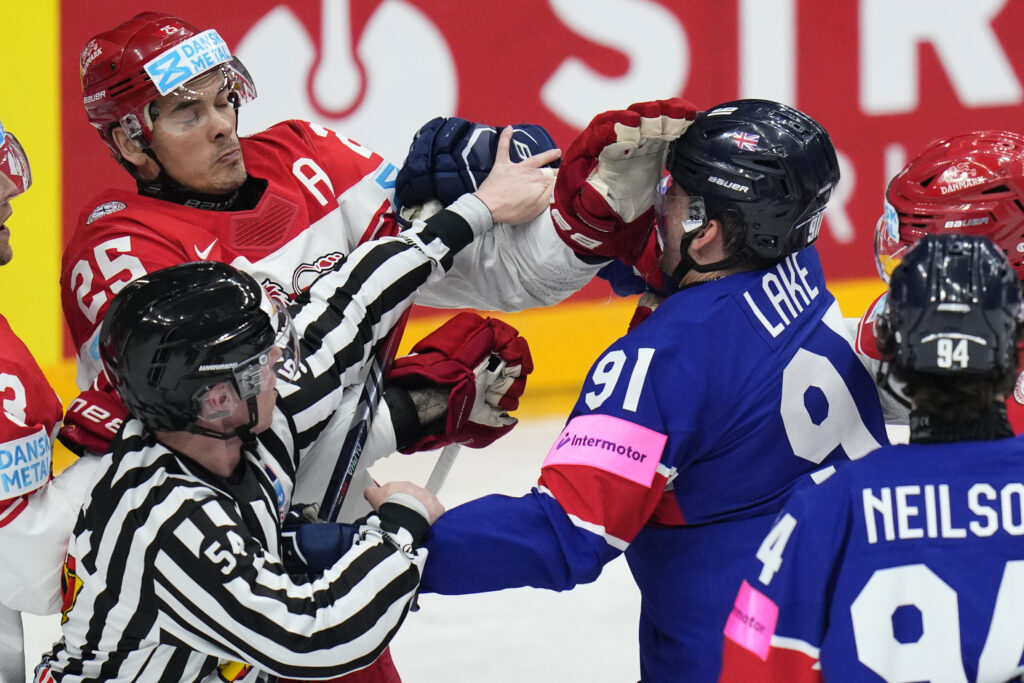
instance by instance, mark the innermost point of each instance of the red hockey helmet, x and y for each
(970, 184)
(14, 162)
(150, 55)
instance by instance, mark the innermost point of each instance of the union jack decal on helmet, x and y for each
(745, 141)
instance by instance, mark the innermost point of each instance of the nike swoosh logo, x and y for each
(205, 252)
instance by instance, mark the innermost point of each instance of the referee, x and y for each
(173, 570)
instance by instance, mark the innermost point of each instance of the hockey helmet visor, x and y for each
(192, 105)
(674, 206)
(279, 360)
(194, 70)
(889, 249)
(14, 162)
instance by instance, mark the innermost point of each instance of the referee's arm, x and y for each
(219, 590)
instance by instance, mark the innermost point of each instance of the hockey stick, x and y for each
(441, 468)
(355, 439)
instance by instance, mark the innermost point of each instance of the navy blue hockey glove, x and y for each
(450, 157)
(308, 547)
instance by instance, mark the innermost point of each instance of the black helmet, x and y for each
(771, 165)
(172, 335)
(954, 308)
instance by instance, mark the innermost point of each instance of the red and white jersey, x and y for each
(867, 348)
(325, 194)
(37, 515)
(28, 421)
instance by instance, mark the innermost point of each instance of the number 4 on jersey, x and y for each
(772, 547)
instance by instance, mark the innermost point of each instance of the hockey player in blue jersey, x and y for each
(908, 565)
(691, 430)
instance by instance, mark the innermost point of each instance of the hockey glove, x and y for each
(308, 547)
(450, 157)
(643, 276)
(93, 419)
(644, 307)
(482, 363)
(604, 193)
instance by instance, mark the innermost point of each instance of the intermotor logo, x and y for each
(584, 440)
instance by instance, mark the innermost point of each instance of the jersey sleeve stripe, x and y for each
(11, 508)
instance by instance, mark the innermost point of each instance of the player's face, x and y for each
(8, 190)
(671, 228)
(194, 136)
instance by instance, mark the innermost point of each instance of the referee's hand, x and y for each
(397, 490)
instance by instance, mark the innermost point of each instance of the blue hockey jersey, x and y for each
(686, 440)
(906, 566)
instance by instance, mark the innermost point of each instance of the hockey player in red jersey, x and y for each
(971, 183)
(36, 513)
(213, 445)
(284, 205)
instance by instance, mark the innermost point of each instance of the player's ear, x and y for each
(129, 149)
(708, 244)
(709, 233)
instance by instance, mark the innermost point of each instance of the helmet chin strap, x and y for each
(686, 262)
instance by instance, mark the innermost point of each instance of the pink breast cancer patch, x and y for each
(610, 444)
(752, 621)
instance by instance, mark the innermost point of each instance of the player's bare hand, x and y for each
(516, 192)
(378, 495)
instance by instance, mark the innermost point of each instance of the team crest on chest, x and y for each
(276, 292)
(307, 273)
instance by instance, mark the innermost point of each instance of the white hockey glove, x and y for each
(604, 192)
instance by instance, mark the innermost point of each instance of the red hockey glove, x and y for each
(92, 419)
(644, 307)
(483, 364)
(604, 192)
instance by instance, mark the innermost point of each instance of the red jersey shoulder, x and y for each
(285, 145)
(25, 393)
(866, 344)
(117, 213)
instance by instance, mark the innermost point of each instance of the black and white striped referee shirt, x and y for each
(173, 572)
